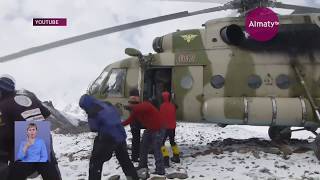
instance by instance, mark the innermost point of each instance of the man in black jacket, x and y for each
(21, 106)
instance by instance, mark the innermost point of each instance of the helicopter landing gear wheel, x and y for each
(317, 146)
(278, 133)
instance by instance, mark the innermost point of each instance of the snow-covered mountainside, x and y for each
(67, 121)
(208, 152)
(74, 111)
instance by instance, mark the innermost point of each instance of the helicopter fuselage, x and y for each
(218, 74)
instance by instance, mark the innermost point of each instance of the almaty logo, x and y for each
(262, 24)
(189, 37)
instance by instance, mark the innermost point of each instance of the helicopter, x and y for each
(218, 74)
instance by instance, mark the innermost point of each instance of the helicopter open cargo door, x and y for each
(156, 80)
(187, 86)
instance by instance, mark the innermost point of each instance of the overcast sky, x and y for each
(64, 73)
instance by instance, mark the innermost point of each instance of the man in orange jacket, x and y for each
(168, 111)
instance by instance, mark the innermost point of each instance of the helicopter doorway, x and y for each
(156, 80)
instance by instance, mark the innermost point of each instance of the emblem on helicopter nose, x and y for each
(189, 37)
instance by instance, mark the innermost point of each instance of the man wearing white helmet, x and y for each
(13, 107)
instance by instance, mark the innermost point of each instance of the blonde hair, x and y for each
(32, 125)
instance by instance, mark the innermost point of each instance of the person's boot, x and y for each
(4, 169)
(114, 177)
(176, 154)
(132, 178)
(129, 178)
(159, 171)
(165, 154)
(143, 173)
(166, 161)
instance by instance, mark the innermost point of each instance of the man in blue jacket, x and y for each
(104, 118)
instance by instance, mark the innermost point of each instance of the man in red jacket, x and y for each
(168, 111)
(135, 128)
(151, 119)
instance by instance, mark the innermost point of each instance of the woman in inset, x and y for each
(33, 149)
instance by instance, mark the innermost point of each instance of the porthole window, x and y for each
(254, 81)
(217, 81)
(283, 81)
(186, 82)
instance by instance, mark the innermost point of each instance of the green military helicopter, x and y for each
(218, 74)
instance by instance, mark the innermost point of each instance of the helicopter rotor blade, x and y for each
(110, 30)
(203, 1)
(297, 9)
(214, 9)
(90, 35)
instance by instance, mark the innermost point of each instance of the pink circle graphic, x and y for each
(262, 24)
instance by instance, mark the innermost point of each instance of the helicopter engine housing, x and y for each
(232, 34)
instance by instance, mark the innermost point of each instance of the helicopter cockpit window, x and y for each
(114, 86)
(254, 81)
(283, 81)
(217, 81)
(96, 85)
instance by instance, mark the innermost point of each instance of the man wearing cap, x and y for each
(136, 127)
(21, 106)
(151, 119)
